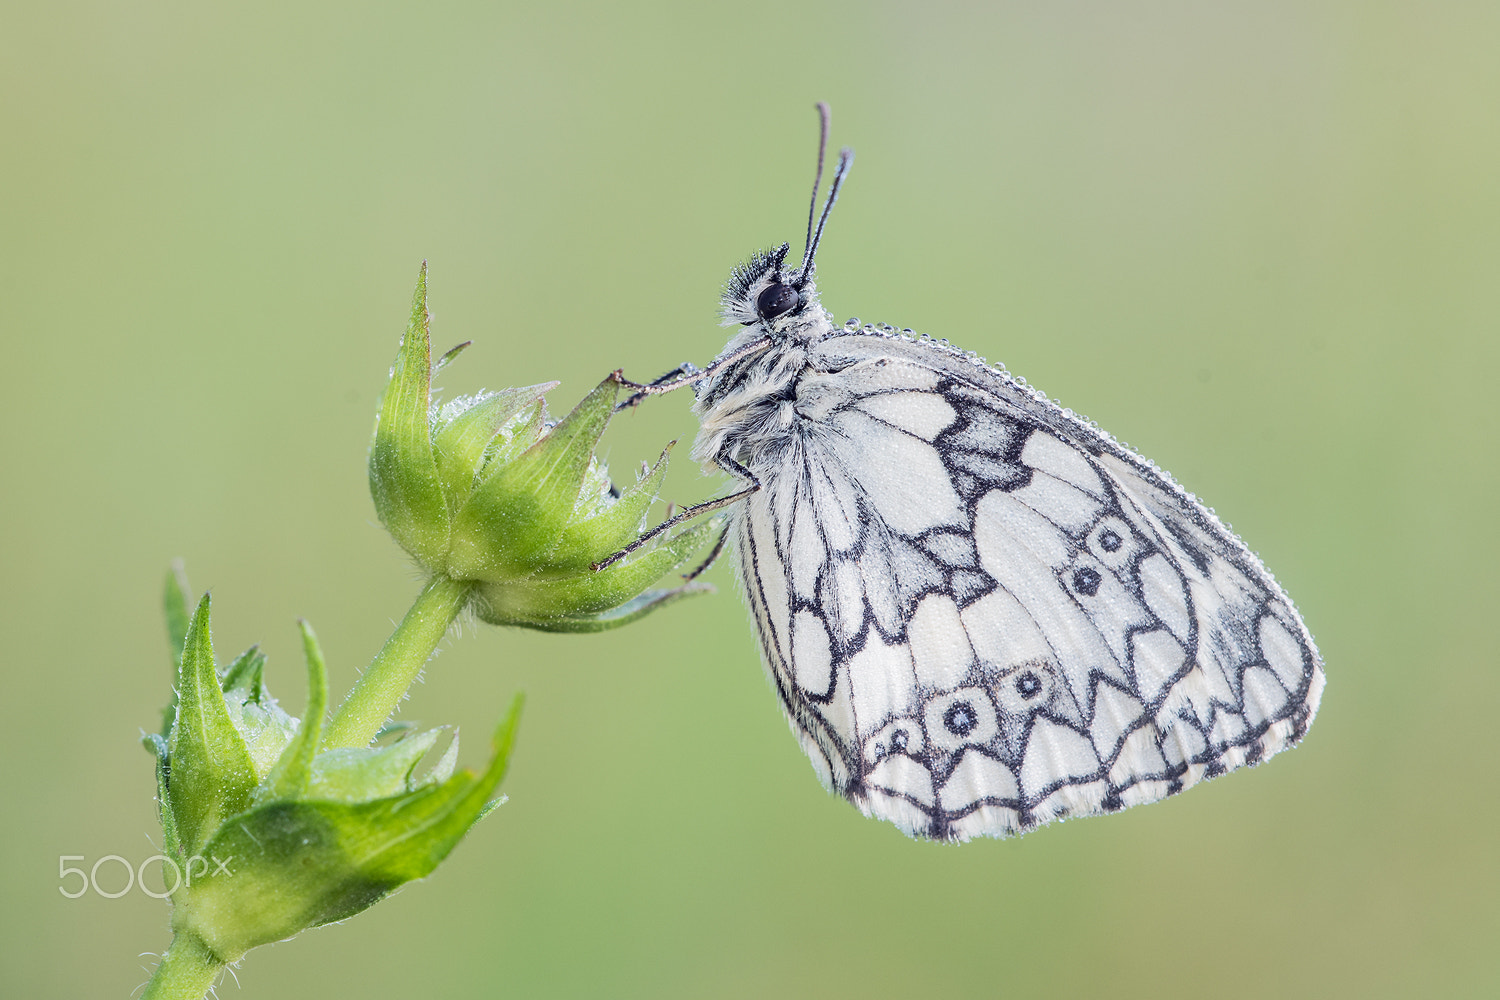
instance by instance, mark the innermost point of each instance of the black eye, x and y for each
(777, 300)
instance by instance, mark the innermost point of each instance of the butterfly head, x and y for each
(763, 290)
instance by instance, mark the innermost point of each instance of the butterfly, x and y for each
(980, 611)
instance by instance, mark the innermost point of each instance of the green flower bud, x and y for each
(485, 490)
(272, 836)
(276, 825)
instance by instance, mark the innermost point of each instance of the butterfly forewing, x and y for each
(982, 613)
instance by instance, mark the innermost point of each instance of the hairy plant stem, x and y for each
(187, 971)
(385, 682)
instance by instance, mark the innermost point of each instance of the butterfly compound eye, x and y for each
(777, 300)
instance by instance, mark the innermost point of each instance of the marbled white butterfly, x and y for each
(980, 611)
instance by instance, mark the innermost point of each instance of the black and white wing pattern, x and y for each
(981, 613)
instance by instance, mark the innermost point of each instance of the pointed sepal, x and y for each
(212, 774)
(516, 516)
(596, 532)
(594, 600)
(463, 438)
(355, 774)
(404, 480)
(290, 775)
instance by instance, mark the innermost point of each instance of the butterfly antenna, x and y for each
(824, 116)
(846, 160)
(815, 236)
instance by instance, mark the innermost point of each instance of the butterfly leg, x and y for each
(713, 557)
(688, 513)
(682, 375)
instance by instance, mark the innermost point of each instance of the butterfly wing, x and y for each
(981, 613)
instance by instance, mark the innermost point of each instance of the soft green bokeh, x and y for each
(1257, 240)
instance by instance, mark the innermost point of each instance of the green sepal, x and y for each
(403, 470)
(301, 864)
(517, 515)
(459, 444)
(170, 845)
(524, 430)
(357, 774)
(443, 769)
(626, 613)
(393, 730)
(451, 354)
(290, 775)
(572, 595)
(264, 726)
(212, 774)
(246, 675)
(589, 540)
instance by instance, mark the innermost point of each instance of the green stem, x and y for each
(384, 683)
(187, 971)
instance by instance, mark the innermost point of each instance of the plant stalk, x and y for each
(385, 682)
(187, 971)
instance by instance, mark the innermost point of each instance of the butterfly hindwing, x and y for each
(981, 613)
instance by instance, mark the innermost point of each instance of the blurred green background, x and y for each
(1257, 240)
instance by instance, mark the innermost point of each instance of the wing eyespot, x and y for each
(1028, 685)
(1086, 581)
(960, 718)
